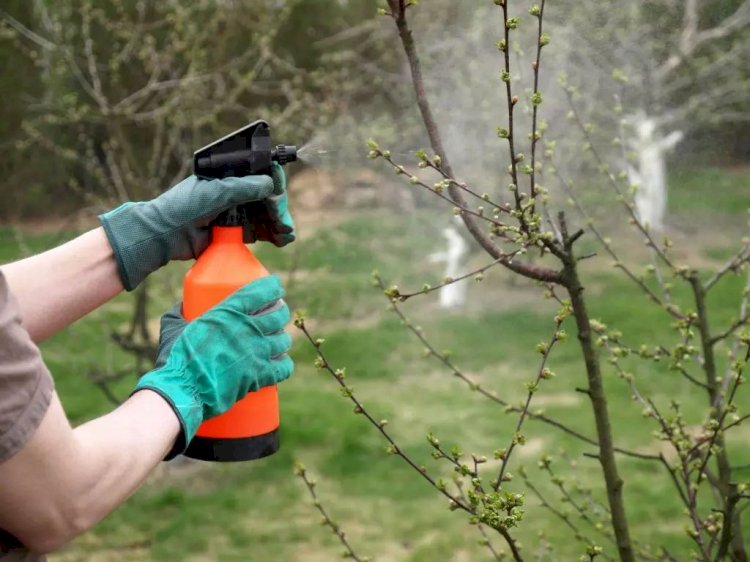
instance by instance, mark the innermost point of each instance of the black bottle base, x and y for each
(233, 450)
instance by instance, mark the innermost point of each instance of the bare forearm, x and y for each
(65, 481)
(59, 286)
(123, 447)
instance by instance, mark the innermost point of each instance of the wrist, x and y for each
(179, 399)
(162, 418)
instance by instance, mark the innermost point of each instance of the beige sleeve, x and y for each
(26, 386)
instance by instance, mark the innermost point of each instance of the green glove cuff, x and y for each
(115, 221)
(187, 408)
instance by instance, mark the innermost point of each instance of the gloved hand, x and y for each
(147, 235)
(205, 366)
(269, 219)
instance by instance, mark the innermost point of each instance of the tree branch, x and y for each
(614, 483)
(300, 471)
(398, 12)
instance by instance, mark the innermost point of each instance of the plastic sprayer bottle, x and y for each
(250, 429)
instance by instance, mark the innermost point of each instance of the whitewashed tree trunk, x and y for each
(453, 295)
(650, 176)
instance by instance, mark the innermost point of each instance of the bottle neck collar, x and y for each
(226, 234)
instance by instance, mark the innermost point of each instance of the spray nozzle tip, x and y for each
(284, 153)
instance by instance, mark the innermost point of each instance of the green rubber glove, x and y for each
(203, 367)
(147, 235)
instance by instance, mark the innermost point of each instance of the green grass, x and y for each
(259, 512)
(717, 190)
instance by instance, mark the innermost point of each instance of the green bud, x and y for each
(547, 374)
(299, 320)
(346, 391)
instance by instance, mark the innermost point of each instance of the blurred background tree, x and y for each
(109, 99)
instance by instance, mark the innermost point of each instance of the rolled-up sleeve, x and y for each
(26, 386)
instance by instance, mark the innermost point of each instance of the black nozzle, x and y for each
(245, 152)
(284, 153)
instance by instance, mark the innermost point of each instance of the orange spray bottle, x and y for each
(250, 429)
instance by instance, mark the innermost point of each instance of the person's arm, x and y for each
(59, 286)
(65, 480)
(61, 481)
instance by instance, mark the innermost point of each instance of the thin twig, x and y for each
(734, 263)
(535, 135)
(379, 425)
(460, 206)
(463, 186)
(577, 533)
(451, 280)
(736, 325)
(302, 473)
(542, 373)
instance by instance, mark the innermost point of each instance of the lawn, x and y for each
(258, 512)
